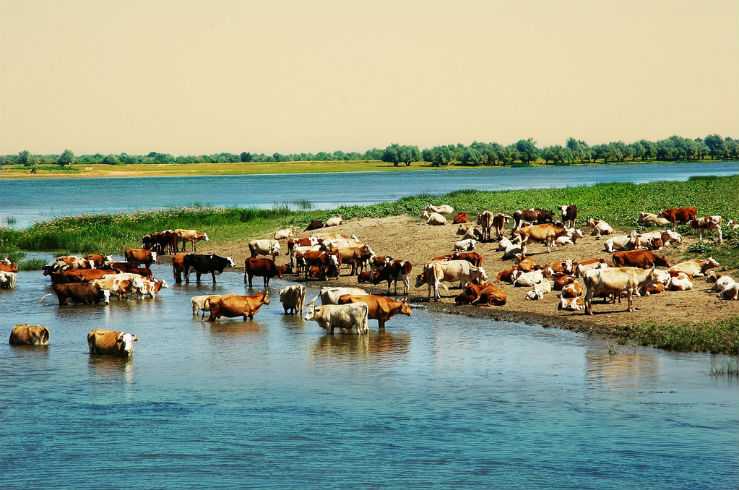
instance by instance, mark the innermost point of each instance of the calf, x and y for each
(263, 267)
(292, 299)
(710, 223)
(569, 215)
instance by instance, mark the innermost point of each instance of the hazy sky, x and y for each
(195, 76)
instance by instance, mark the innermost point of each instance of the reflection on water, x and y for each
(112, 367)
(376, 343)
(234, 328)
(628, 367)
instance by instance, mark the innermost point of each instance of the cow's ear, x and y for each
(135, 338)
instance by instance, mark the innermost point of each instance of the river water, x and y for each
(29, 201)
(438, 401)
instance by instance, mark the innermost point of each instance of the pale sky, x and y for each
(187, 76)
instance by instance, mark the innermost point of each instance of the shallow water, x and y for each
(29, 201)
(437, 401)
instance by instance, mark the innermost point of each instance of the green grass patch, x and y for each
(717, 337)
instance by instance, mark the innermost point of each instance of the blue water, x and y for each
(438, 401)
(29, 201)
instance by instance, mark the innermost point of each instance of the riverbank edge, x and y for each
(127, 171)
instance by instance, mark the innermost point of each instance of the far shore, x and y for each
(151, 170)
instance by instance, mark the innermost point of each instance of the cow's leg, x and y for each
(213, 275)
(381, 323)
(631, 300)
(187, 275)
(720, 236)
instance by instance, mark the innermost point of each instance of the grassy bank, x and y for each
(718, 337)
(619, 204)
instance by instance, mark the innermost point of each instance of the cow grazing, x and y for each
(191, 236)
(651, 219)
(261, 267)
(710, 223)
(434, 219)
(264, 247)
(545, 233)
(234, 305)
(334, 221)
(485, 294)
(140, 256)
(80, 293)
(679, 216)
(205, 264)
(380, 308)
(465, 245)
(643, 259)
(283, 234)
(27, 334)
(435, 273)
(600, 227)
(695, 267)
(292, 299)
(111, 342)
(569, 215)
(314, 225)
(459, 218)
(201, 304)
(7, 280)
(349, 318)
(392, 272)
(614, 281)
(680, 282)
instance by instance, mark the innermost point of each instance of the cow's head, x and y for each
(405, 308)
(124, 343)
(275, 249)
(709, 263)
(420, 280)
(310, 314)
(154, 257)
(230, 262)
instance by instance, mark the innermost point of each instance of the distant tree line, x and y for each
(525, 151)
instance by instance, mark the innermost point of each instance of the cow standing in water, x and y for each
(205, 264)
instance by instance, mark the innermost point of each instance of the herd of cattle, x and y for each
(631, 271)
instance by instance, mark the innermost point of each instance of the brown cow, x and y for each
(111, 342)
(233, 305)
(140, 256)
(130, 268)
(381, 308)
(527, 265)
(27, 334)
(679, 215)
(328, 263)
(178, 266)
(7, 266)
(473, 258)
(80, 293)
(261, 267)
(507, 274)
(499, 222)
(79, 275)
(485, 293)
(561, 280)
(99, 259)
(459, 218)
(314, 225)
(357, 257)
(546, 233)
(397, 270)
(644, 259)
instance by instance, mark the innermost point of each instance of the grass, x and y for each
(717, 337)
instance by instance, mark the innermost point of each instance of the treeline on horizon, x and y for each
(525, 151)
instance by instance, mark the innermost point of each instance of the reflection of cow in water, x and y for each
(381, 343)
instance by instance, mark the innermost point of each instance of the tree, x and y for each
(111, 159)
(245, 156)
(716, 146)
(66, 158)
(25, 158)
(471, 157)
(527, 150)
(392, 154)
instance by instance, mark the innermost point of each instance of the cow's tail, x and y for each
(42, 298)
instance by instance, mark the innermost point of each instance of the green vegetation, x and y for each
(524, 151)
(718, 337)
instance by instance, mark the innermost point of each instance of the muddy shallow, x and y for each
(441, 400)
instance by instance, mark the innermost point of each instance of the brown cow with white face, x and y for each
(140, 256)
(380, 308)
(111, 342)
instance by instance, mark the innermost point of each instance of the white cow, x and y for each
(350, 318)
(466, 245)
(435, 273)
(723, 282)
(573, 234)
(442, 209)
(680, 282)
(730, 293)
(283, 234)
(651, 219)
(527, 279)
(264, 247)
(600, 227)
(614, 280)
(621, 242)
(334, 221)
(292, 299)
(539, 290)
(7, 280)
(434, 218)
(571, 304)
(695, 267)
(201, 304)
(331, 295)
